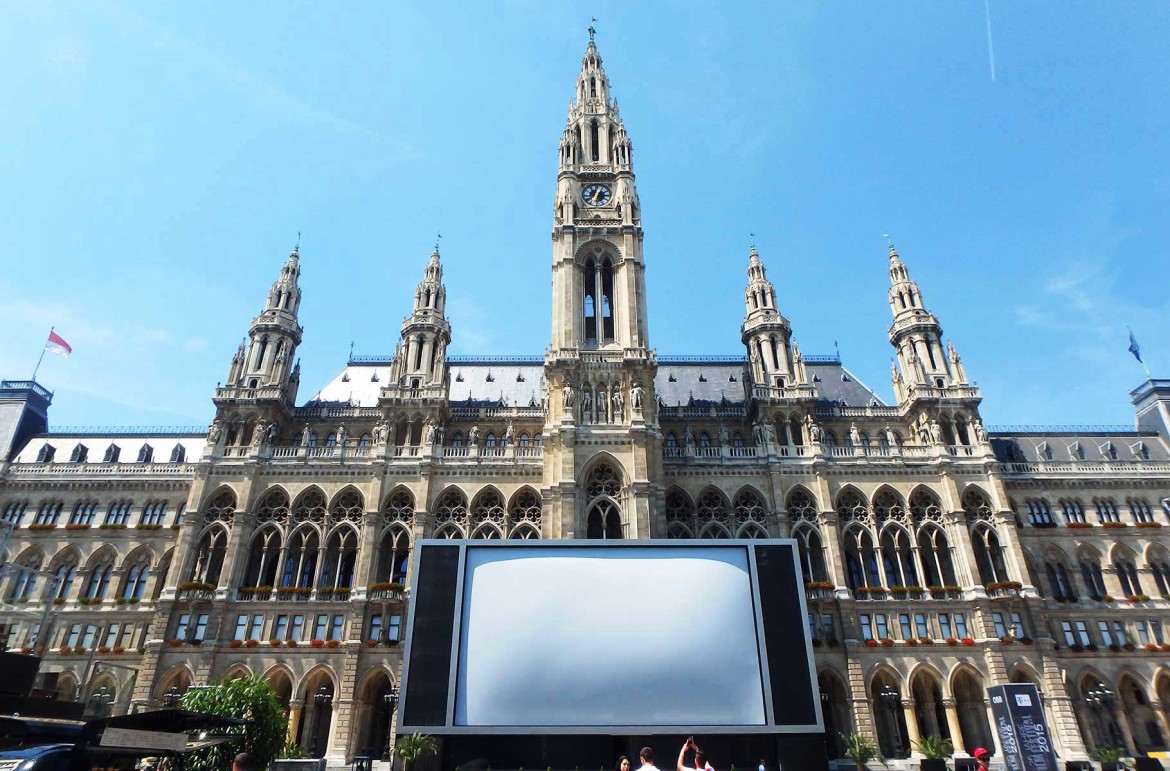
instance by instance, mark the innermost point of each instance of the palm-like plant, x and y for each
(861, 749)
(411, 747)
(935, 747)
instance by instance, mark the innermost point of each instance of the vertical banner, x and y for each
(1019, 723)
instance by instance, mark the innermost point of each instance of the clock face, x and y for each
(596, 195)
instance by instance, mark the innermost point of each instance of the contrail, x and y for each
(990, 44)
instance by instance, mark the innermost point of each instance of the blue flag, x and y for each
(1133, 347)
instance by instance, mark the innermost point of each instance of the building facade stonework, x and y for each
(941, 556)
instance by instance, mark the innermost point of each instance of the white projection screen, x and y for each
(636, 635)
(608, 637)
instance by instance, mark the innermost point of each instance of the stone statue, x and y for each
(306, 432)
(429, 433)
(342, 436)
(473, 436)
(980, 432)
(814, 431)
(273, 430)
(509, 433)
(769, 433)
(214, 431)
(544, 396)
(636, 395)
(891, 437)
(440, 432)
(724, 436)
(936, 434)
(259, 432)
(586, 403)
(854, 435)
(758, 434)
(619, 402)
(567, 394)
(689, 437)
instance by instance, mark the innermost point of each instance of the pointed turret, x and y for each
(767, 334)
(274, 335)
(420, 358)
(917, 339)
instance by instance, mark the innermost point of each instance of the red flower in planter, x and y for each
(968, 641)
(871, 643)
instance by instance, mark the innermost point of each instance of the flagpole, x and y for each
(42, 358)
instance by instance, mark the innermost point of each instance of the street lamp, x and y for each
(323, 698)
(390, 700)
(171, 698)
(1102, 699)
(890, 698)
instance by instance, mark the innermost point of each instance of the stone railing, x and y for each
(102, 469)
(1079, 467)
(496, 413)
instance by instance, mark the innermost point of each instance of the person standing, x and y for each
(762, 767)
(701, 763)
(646, 755)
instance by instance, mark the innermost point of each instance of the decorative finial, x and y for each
(351, 350)
(438, 238)
(592, 31)
(889, 243)
(297, 246)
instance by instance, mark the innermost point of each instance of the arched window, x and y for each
(136, 581)
(925, 506)
(451, 515)
(457, 439)
(524, 516)
(887, 506)
(898, 558)
(704, 439)
(25, 579)
(679, 515)
(851, 506)
(1039, 513)
(976, 505)
(48, 513)
(594, 142)
(1127, 574)
(65, 574)
(487, 515)
(1058, 581)
(1160, 569)
(988, 555)
(603, 513)
(801, 506)
(300, 559)
(490, 440)
(99, 581)
(1072, 509)
(812, 554)
(935, 553)
(1092, 576)
(861, 564)
(1106, 510)
(524, 440)
(1140, 510)
(713, 515)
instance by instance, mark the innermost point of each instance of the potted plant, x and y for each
(861, 750)
(1108, 756)
(411, 747)
(935, 751)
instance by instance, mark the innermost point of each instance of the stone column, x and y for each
(953, 725)
(1122, 720)
(913, 736)
(294, 719)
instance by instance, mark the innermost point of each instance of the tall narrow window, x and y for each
(594, 143)
(590, 288)
(607, 300)
(593, 89)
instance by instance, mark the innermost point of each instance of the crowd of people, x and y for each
(700, 761)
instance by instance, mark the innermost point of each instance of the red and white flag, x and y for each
(57, 345)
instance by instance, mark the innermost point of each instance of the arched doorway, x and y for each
(316, 718)
(929, 711)
(971, 706)
(885, 694)
(374, 716)
(1097, 703)
(835, 709)
(1143, 723)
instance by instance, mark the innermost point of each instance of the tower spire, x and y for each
(775, 361)
(420, 360)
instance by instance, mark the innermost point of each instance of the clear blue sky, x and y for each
(157, 160)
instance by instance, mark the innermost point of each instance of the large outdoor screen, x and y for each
(575, 637)
(619, 637)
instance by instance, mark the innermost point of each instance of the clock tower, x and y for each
(602, 441)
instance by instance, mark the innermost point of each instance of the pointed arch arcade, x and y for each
(603, 511)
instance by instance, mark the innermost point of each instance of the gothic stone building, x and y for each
(940, 556)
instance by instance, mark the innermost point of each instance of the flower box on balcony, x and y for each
(952, 641)
(817, 643)
(1114, 525)
(235, 643)
(386, 590)
(108, 526)
(333, 593)
(276, 643)
(871, 643)
(65, 650)
(102, 649)
(1151, 647)
(59, 601)
(1078, 525)
(968, 641)
(142, 526)
(1148, 524)
(1115, 648)
(925, 641)
(1165, 646)
(1076, 648)
(76, 526)
(316, 643)
(818, 584)
(332, 643)
(886, 642)
(371, 643)
(251, 643)
(117, 650)
(1091, 647)
(44, 526)
(912, 642)
(25, 649)
(1138, 598)
(196, 586)
(291, 643)
(834, 642)
(1007, 639)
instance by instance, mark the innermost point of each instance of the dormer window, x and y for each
(146, 454)
(79, 454)
(46, 453)
(701, 378)
(113, 452)
(178, 453)
(671, 378)
(490, 379)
